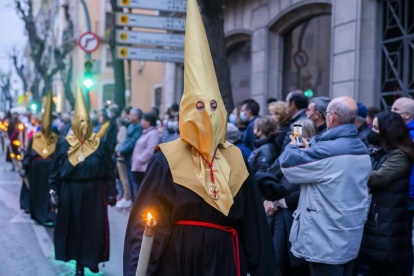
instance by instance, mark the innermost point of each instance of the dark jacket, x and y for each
(248, 135)
(322, 129)
(385, 233)
(280, 138)
(301, 115)
(110, 135)
(133, 134)
(363, 132)
(264, 154)
(273, 186)
(65, 129)
(244, 150)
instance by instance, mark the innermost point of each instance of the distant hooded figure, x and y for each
(82, 177)
(37, 163)
(210, 219)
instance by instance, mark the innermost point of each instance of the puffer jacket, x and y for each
(329, 221)
(264, 154)
(385, 234)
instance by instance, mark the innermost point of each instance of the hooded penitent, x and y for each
(83, 142)
(44, 142)
(204, 128)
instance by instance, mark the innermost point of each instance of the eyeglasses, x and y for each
(328, 112)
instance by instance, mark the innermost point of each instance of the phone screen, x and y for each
(297, 134)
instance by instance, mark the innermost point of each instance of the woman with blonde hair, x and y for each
(278, 111)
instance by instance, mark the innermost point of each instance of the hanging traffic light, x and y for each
(88, 75)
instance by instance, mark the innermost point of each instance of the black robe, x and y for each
(82, 229)
(193, 250)
(37, 171)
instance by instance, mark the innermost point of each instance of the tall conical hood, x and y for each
(47, 116)
(204, 129)
(81, 125)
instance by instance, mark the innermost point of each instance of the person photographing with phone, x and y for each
(333, 169)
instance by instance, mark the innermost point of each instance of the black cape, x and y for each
(37, 171)
(82, 229)
(194, 250)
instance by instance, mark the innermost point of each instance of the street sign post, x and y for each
(150, 54)
(148, 21)
(162, 5)
(146, 38)
(88, 42)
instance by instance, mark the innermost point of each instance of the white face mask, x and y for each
(165, 122)
(172, 125)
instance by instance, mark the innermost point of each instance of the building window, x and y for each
(108, 24)
(157, 96)
(306, 59)
(108, 93)
(109, 60)
(397, 51)
(239, 59)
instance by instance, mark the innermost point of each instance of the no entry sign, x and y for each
(89, 42)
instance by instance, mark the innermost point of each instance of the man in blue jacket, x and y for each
(249, 113)
(334, 171)
(133, 133)
(405, 107)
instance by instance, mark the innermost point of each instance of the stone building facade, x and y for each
(326, 47)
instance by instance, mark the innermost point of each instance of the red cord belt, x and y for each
(232, 231)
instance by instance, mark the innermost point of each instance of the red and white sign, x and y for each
(301, 59)
(89, 42)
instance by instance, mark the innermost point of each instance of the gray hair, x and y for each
(345, 114)
(321, 105)
(309, 129)
(137, 112)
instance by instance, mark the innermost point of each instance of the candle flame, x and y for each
(149, 216)
(16, 143)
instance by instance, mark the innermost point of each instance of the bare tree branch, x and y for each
(19, 68)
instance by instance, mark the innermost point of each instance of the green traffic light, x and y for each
(88, 83)
(33, 107)
(308, 93)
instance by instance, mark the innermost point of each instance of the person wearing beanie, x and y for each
(361, 123)
(233, 136)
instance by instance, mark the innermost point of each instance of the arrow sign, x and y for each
(150, 54)
(145, 38)
(89, 42)
(162, 5)
(148, 21)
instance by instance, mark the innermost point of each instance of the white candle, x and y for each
(146, 246)
(21, 129)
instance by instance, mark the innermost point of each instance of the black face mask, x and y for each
(373, 138)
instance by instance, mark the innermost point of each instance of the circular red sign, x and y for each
(301, 59)
(88, 42)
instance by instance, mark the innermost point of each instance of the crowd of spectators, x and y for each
(340, 204)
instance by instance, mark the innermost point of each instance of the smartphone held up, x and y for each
(297, 134)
